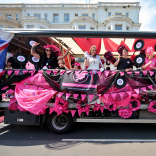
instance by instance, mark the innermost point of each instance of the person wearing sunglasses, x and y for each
(48, 59)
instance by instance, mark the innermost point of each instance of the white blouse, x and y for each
(93, 63)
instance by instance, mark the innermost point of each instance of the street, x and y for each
(18, 140)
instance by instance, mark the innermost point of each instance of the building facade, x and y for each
(99, 16)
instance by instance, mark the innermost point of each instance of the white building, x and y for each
(101, 16)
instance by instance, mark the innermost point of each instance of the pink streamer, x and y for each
(96, 107)
(91, 97)
(75, 96)
(113, 95)
(129, 73)
(122, 73)
(106, 73)
(48, 71)
(16, 72)
(25, 71)
(69, 71)
(4, 88)
(150, 87)
(121, 94)
(137, 72)
(60, 94)
(9, 72)
(10, 91)
(99, 95)
(106, 96)
(55, 72)
(73, 112)
(83, 96)
(67, 95)
(143, 88)
(51, 110)
(145, 73)
(99, 73)
(102, 108)
(151, 73)
(62, 72)
(137, 90)
(83, 109)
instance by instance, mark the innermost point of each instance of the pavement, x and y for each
(114, 139)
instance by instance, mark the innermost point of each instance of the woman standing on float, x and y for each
(92, 60)
(150, 62)
(49, 59)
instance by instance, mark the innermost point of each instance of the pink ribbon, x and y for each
(83, 109)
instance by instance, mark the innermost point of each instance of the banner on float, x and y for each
(80, 81)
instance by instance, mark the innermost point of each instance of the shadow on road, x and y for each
(20, 135)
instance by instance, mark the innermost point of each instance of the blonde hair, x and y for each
(93, 46)
(61, 61)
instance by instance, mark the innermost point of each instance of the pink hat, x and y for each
(149, 50)
(53, 47)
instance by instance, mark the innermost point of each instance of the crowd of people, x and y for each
(92, 60)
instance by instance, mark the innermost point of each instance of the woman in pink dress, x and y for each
(150, 62)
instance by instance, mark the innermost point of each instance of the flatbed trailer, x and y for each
(63, 123)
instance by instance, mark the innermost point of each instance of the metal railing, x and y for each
(35, 18)
(9, 19)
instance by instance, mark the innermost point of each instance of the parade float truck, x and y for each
(62, 97)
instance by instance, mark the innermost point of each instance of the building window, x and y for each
(9, 15)
(66, 17)
(118, 13)
(37, 15)
(109, 28)
(127, 14)
(16, 16)
(109, 14)
(1, 26)
(118, 27)
(28, 14)
(93, 16)
(82, 27)
(46, 16)
(56, 17)
(30, 26)
(76, 14)
(84, 14)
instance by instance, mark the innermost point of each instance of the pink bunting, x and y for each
(16, 72)
(10, 91)
(48, 71)
(67, 95)
(75, 96)
(113, 72)
(137, 72)
(51, 110)
(113, 95)
(129, 93)
(83, 96)
(73, 112)
(137, 90)
(54, 91)
(91, 97)
(150, 87)
(102, 108)
(55, 72)
(32, 72)
(4, 88)
(129, 73)
(121, 94)
(69, 71)
(144, 72)
(106, 96)
(3, 72)
(60, 94)
(122, 73)
(25, 71)
(99, 95)
(9, 72)
(143, 88)
(99, 73)
(62, 72)
(151, 73)
(106, 73)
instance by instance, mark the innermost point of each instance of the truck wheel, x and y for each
(61, 123)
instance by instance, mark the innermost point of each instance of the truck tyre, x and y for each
(60, 123)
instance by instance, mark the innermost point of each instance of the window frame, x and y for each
(120, 13)
(55, 18)
(94, 15)
(82, 26)
(84, 14)
(66, 17)
(31, 27)
(17, 17)
(46, 18)
(118, 25)
(110, 14)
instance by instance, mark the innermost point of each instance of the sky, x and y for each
(147, 12)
